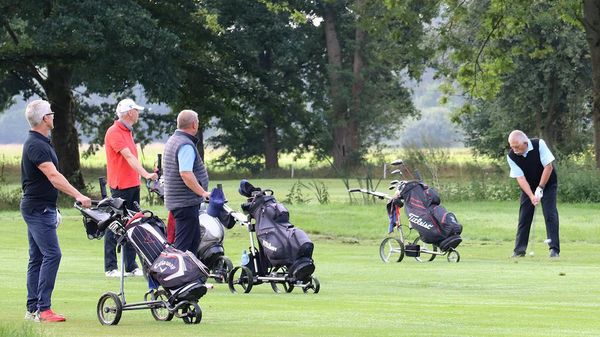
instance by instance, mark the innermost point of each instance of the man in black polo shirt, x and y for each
(531, 163)
(41, 182)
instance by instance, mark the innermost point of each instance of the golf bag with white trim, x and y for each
(172, 268)
(282, 243)
(433, 222)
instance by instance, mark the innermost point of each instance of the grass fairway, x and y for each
(486, 294)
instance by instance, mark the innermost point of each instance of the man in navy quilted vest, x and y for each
(531, 163)
(186, 181)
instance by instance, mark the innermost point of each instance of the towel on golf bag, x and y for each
(174, 268)
(282, 243)
(433, 222)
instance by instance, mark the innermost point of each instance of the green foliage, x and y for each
(319, 189)
(10, 198)
(522, 67)
(296, 195)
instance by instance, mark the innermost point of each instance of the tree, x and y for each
(64, 51)
(522, 66)
(370, 45)
(270, 58)
(591, 23)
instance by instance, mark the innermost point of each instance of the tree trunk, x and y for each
(270, 141)
(357, 88)
(591, 21)
(340, 148)
(200, 145)
(64, 136)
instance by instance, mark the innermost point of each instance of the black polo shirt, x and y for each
(38, 192)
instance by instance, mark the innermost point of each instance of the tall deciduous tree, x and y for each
(370, 46)
(591, 22)
(56, 49)
(271, 59)
(522, 65)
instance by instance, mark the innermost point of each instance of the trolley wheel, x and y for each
(426, 249)
(242, 278)
(390, 247)
(288, 287)
(313, 285)
(191, 313)
(453, 256)
(161, 313)
(109, 309)
(222, 268)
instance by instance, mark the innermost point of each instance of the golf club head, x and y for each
(397, 162)
(397, 171)
(352, 190)
(391, 187)
(394, 182)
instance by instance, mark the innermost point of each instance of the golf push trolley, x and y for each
(163, 303)
(282, 254)
(398, 243)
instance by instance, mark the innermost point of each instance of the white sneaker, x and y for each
(113, 273)
(136, 272)
(32, 316)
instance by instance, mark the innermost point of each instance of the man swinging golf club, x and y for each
(531, 163)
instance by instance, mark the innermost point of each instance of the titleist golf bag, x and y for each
(281, 242)
(433, 222)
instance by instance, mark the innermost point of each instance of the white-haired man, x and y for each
(41, 181)
(123, 171)
(531, 163)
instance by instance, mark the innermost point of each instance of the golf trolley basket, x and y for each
(280, 254)
(438, 230)
(181, 276)
(212, 232)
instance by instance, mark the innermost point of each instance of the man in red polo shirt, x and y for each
(123, 170)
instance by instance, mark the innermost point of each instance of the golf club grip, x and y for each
(159, 164)
(102, 182)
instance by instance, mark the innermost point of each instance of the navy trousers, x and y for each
(130, 195)
(526, 212)
(187, 228)
(44, 256)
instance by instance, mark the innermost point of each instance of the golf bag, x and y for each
(281, 243)
(433, 222)
(212, 233)
(172, 268)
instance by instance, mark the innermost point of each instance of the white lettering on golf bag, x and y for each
(415, 219)
(180, 271)
(267, 245)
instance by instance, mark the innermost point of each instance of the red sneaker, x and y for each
(50, 316)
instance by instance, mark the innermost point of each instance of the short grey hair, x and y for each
(186, 118)
(35, 111)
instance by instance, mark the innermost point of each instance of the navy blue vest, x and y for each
(532, 165)
(177, 194)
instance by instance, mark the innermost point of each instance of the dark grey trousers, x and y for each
(526, 212)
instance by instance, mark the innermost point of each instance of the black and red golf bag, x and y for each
(434, 223)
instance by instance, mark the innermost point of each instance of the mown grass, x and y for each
(486, 294)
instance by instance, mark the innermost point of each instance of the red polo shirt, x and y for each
(120, 174)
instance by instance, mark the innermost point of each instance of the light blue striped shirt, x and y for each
(546, 158)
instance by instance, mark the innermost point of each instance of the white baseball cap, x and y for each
(126, 105)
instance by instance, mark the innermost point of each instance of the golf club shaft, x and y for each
(532, 229)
